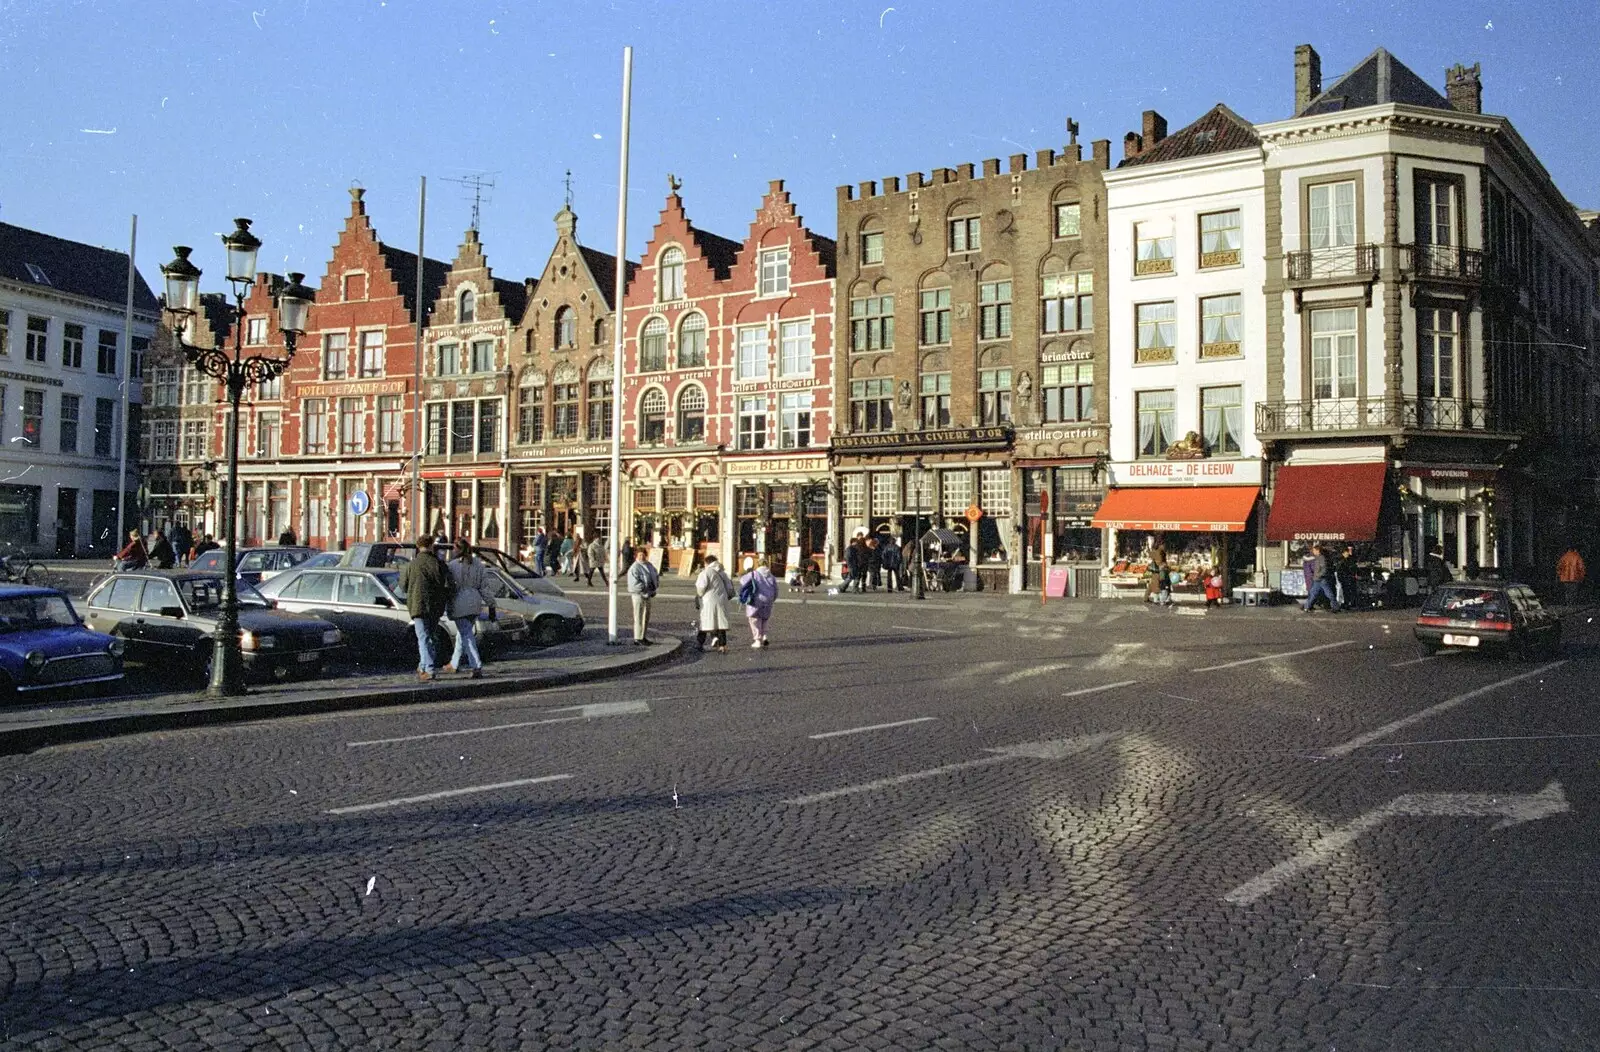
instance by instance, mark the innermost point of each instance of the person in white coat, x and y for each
(712, 590)
(471, 581)
(758, 600)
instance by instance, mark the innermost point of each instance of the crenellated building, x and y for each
(972, 359)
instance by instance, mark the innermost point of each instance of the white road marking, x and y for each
(915, 628)
(585, 712)
(1054, 749)
(1512, 809)
(1029, 673)
(873, 727)
(445, 794)
(1103, 686)
(1433, 710)
(1420, 660)
(1274, 657)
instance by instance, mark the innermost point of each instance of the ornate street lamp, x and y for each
(237, 371)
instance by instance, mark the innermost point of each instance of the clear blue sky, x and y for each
(189, 112)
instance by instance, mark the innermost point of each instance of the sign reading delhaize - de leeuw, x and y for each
(1204, 472)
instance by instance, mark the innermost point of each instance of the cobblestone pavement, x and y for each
(898, 827)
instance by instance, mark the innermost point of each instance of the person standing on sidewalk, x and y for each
(1571, 572)
(874, 560)
(855, 565)
(758, 591)
(596, 554)
(581, 566)
(541, 545)
(889, 555)
(471, 580)
(427, 586)
(712, 590)
(643, 580)
(182, 541)
(567, 545)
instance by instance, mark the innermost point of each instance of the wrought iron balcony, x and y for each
(1447, 262)
(1274, 419)
(1342, 262)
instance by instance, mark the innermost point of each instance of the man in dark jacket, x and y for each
(161, 553)
(874, 561)
(427, 585)
(182, 541)
(889, 554)
(855, 564)
(1347, 576)
(1324, 582)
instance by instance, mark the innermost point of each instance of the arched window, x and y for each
(566, 327)
(692, 342)
(671, 267)
(653, 345)
(599, 331)
(653, 416)
(467, 307)
(692, 414)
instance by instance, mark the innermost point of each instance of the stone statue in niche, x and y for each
(904, 397)
(1190, 447)
(1027, 412)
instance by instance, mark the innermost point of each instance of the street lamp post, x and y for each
(236, 371)
(919, 570)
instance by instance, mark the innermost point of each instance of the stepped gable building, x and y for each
(1189, 349)
(63, 356)
(971, 366)
(676, 401)
(466, 391)
(1433, 297)
(559, 464)
(344, 444)
(182, 425)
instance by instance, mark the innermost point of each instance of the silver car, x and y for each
(550, 620)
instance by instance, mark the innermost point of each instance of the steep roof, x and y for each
(513, 298)
(71, 267)
(717, 250)
(403, 267)
(827, 251)
(604, 268)
(1378, 79)
(1219, 130)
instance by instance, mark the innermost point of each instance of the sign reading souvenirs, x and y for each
(1186, 473)
(950, 436)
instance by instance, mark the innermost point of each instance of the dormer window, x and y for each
(467, 307)
(671, 267)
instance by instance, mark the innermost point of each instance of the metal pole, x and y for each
(126, 371)
(416, 376)
(613, 548)
(227, 664)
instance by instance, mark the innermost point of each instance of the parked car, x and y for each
(550, 620)
(255, 564)
(369, 606)
(394, 554)
(44, 645)
(323, 559)
(168, 619)
(1487, 615)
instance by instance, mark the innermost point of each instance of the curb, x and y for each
(208, 714)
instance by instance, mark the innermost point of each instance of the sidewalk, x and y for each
(24, 728)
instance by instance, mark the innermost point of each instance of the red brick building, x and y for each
(727, 389)
(324, 450)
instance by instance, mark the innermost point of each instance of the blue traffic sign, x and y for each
(360, 502)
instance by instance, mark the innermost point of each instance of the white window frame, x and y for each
(753, 353)
(791, 408)
(795, 357)
(773, 271)
(752, 422)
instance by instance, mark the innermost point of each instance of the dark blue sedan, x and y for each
(44, 645)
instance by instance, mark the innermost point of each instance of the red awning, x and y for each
(1199, 509)
(1326, 502)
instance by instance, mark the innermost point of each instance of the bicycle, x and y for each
(20, 568)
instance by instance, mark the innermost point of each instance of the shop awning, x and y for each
(1326, 502)
(1202, 509)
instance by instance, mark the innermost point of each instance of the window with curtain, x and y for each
(391, 424)
(692, 342)
(372, 345)
(956, 487)
(1156, 421)
(1157, 332)
(935, 399)
(1332, 215)
(566, 327)
(692, 414)
(530, 412)
(1437, 345)
(1333, 353)
(670, 264)
(1222, 418)
(1221, 327)
(334, 366)
(314, 425)
(752, 362)
(885, 493)
(653, 345)
(1153, 248)
(1220, 239)
(994, 397)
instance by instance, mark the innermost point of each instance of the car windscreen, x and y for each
(248, 596)
(391, 581)
(1467, 604)
(24, 612)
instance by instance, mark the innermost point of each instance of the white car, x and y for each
(550, 619)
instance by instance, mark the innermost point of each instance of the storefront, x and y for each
(564, 491)
(954, 478)
(1062, 479)
(1196, 514)
(780, 508)
(677, 510)
(1344, 503)
(1452, 508)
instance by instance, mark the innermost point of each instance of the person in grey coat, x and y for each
(712, 590)
(471, 582)
(643, 580)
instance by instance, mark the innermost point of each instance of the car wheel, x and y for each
(548, 631)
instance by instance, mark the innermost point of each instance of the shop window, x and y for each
(935, 399)
(1156, 422)
(852, 496)
(1068, 389)
(994, 491)
(872, 405)
(1222, 418)
(994, 397)
(885, 494)
(956, 487)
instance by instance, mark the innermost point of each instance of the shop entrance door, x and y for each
(460, 510)
(66, 522)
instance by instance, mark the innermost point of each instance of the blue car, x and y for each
(44, 645)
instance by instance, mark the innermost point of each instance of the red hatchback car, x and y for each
(1487, 615)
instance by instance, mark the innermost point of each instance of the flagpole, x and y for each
(416, 374)
(127, 378)
(614, 547)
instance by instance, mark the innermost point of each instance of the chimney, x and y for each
(1463, 88)
(356, 206)
(1101, 151)
(1132, 146)
(1307, 76)
(1155, 128)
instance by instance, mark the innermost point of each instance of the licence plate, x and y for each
(307, 656)
(1460, 641)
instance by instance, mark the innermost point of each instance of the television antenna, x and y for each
(480, 184)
